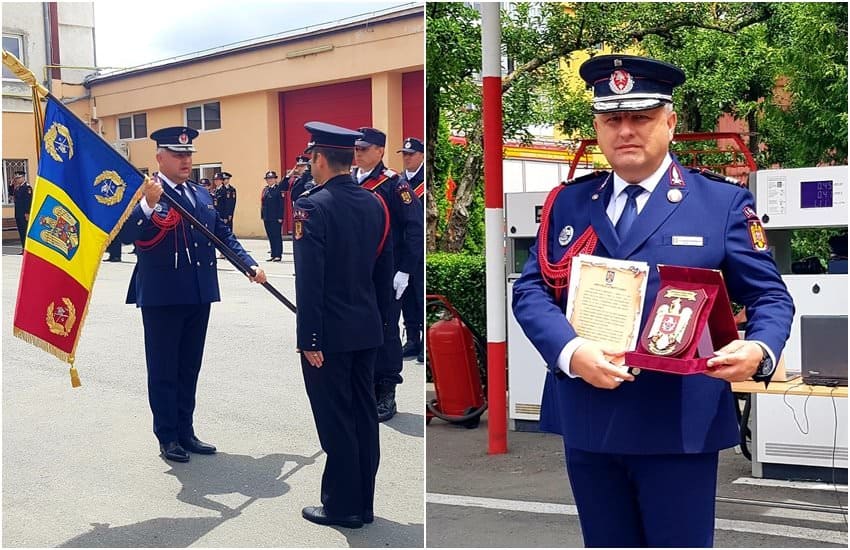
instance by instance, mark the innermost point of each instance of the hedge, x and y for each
(461, 279)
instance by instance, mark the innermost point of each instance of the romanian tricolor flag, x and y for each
(84, 192)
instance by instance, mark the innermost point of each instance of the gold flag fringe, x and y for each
(51, 349)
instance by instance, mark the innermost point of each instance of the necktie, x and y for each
(627, 218)
(183, 199)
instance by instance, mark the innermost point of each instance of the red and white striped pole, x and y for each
(491, 61)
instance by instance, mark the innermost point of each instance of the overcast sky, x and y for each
(136, 32)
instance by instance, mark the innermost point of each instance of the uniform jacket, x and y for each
(343, 285)
(271, 203)
(417, 182)
(405, 215)
(227, 201)
(657, 413)
(155, 280)
(303, 183)
(23, 200)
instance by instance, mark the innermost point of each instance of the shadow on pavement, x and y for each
(219, 474)
(385, 533)
(408, 424)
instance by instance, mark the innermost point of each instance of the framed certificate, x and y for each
(605, 300)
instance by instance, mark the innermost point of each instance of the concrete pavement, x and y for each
(522, 499)
(81, 467)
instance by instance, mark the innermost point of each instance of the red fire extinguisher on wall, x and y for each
(454, 352)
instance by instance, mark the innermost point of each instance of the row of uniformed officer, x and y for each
(408, 237)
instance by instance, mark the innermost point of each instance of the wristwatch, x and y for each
(765, 368)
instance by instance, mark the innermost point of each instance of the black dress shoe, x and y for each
(368, 517)
(386, 406)
(173, 451)
(195, 445)
(316, 514)
(421, 357)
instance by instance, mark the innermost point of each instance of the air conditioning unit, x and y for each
(122, 147)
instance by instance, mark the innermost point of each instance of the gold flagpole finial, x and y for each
(14, 64)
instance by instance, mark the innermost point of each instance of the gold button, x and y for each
(635, 371)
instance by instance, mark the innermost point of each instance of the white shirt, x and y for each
(147, 210)
(361, 175)
(411, 174)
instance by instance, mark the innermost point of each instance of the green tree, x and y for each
(535, 37)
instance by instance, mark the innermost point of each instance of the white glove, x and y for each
(400, 283)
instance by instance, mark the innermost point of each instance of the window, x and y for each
(205, 171)
(10, 166)
(133, 127)
(13, 43)
(204, 117)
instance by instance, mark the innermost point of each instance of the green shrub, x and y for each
(461, 279)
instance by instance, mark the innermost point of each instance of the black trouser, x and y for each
(21, 222)
(389, 361)
(174, 348)
(345, 412)
(275, 239)
(413, 305)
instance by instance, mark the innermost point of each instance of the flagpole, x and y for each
(21, 71)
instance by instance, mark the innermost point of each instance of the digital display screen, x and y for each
(816, 194)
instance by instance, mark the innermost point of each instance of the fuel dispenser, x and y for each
(526, 368)
(795, 433)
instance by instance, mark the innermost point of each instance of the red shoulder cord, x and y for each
(386, 224)
(557, 275)
(165, 224)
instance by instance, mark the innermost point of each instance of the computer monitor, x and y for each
(824, 349)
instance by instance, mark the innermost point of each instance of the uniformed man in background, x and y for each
(271, 212)
(173, 283)
(22, 195)
(343, 261)
(407, 230)
(227, 200)
(413, 300)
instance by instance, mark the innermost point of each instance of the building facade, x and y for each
(56, 41)
(250, 101)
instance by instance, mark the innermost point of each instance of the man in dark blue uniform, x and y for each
(343, 261)
(271, 212)
(227, 200)
(408, 243)
(642, 447)
(304, 181)
(173, 283)
(22, 195)
(413, 300)
(217, 193)
(287, 183)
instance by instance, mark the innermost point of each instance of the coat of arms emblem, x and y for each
(57, 228)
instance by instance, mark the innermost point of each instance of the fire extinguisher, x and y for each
(454, 352)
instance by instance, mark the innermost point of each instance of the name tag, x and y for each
(682, 240)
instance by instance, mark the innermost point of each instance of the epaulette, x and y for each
(716, 177)
(389, 172)
(587, 177)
